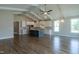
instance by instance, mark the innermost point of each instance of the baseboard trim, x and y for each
(65, 35)
(8, 37)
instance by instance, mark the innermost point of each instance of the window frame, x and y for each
(56, 26)
(71, 31)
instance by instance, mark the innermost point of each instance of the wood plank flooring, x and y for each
(43, 45)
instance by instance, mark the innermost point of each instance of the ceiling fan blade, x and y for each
(41, 10)
(49, 10)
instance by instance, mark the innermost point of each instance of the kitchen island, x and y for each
(36, 31)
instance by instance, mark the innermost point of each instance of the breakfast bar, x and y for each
(36, 32)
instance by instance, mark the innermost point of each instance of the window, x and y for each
(56, 26)
(75, 25)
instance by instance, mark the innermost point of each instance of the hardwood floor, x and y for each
(43, 45)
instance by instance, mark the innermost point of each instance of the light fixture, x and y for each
(61, 14)
(62, 20)
(45, 13)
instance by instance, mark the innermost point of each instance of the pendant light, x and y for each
(61, 14)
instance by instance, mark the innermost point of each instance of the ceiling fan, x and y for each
(45, 11)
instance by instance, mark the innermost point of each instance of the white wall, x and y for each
(21, 19)
(6, 24)
(65, 29)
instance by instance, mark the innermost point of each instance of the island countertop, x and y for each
(37, 28)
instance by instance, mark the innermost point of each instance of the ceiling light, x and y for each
(45, 13)
(62, 21)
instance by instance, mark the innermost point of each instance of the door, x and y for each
(16, 27)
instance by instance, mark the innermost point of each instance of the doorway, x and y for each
(16, 27)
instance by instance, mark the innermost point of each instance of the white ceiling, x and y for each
(68, 10)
